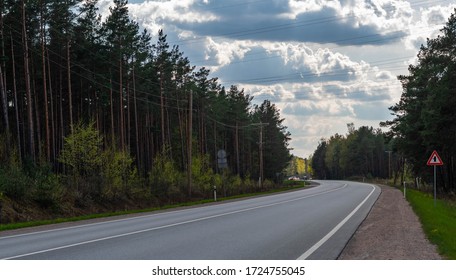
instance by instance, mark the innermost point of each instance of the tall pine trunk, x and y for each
(4, 101)
(135, 108)
(3, 83)
(121, 109)
(28, 91)
(52, 118)
(45, 94)
(112, 113)
(162, 108)
(16, 106)
(70, 94)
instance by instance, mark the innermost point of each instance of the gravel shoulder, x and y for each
(391, 231)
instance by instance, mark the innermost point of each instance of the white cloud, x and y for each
(226, 51)
(156, 15)
(324, 63)
(427, 25)
(385, 15)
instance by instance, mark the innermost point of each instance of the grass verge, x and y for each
(439, 222)
(12, 226)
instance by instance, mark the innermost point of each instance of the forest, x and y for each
(361, 153)
(98, 111)
(424, 121)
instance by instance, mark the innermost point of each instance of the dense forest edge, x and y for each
(424, 121)
(95, 117)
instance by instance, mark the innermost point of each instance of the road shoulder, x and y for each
(390, 231)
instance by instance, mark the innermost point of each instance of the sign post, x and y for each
(435, 160)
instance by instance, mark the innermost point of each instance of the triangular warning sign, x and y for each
(434, 159)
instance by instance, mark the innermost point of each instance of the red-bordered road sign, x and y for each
(434, 159)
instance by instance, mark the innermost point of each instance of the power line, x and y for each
(295, 24)
(95, 74)
(279, 78)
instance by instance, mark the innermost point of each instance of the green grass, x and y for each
(170, 206)
(439, 223)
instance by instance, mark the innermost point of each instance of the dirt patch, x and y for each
(391, 231)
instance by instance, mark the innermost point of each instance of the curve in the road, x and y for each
(317, 221)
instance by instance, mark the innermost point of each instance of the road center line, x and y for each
(172, 225)
(115, 221)
(335, 229)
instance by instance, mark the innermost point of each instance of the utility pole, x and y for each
(261, 124)
(261, 156)
(189, 144)
(238, 166)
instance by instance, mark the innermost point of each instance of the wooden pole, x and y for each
(189, 144)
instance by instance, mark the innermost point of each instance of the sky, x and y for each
(324, 64)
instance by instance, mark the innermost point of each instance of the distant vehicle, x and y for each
(294, 178)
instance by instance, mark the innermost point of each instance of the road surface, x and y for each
(313, 223)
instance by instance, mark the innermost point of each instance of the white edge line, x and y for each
(334, 230)
(167, 226)
(125, 219)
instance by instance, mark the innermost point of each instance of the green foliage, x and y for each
(297, 166)
(424, 116)
(165, 178)
(249, 185)
(118, 174)
(232, 184)
(268, 184)
(115, 71)
(236, 184)
(14, 183)
(439, 223)
(82, 152)
(360, 153)
(276, 154)
(83, 156)
(37, 183)
(48, 191)
(202, 174)
(318, 160)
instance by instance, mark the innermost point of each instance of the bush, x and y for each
(118, 174)
(233, 185)
(14, 183)
(82, 150)
(202, 174)
(249, 185)
(82, 155)
(268, 184)
(48, 191)
(165, 179)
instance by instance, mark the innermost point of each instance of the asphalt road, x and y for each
(314, 223)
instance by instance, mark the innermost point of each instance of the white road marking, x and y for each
(170, 225)
(126, 219)
(334, 230)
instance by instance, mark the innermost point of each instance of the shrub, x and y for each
(48, 191)
(233, 185)
(118, 174)
(165, 178)
(268, 184)
(202, 174)
(14, 183)
(82, 154)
